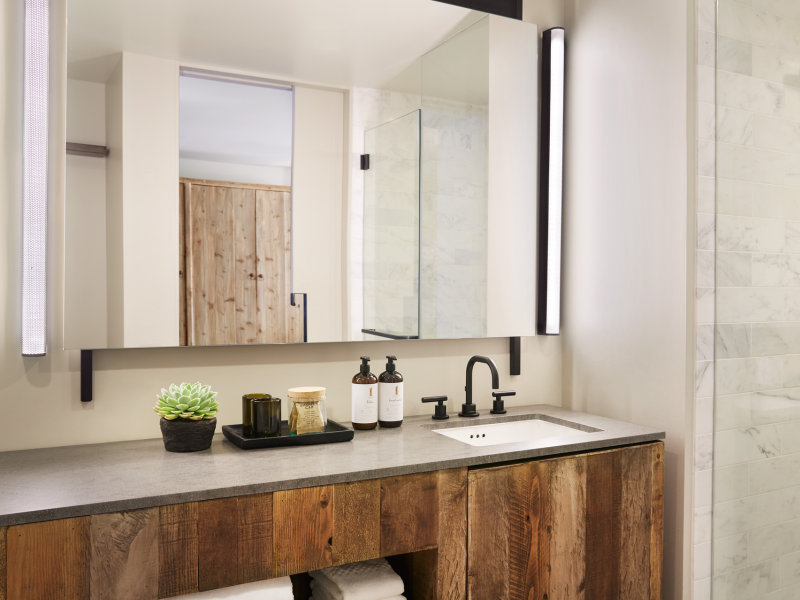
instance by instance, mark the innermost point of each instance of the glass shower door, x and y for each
(391, 229)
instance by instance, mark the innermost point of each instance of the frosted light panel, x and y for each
(551, 167)
(553, 320)
(34, 195)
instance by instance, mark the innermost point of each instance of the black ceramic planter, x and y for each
(187, 436)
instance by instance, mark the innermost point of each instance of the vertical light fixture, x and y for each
(34, 175)
(551, 180)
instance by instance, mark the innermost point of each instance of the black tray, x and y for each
(334, 433)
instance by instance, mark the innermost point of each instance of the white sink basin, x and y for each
(530, 430)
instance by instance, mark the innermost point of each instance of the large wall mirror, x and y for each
(263, 171)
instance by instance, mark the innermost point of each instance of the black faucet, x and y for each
(468, 409)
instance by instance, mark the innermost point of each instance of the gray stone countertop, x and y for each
(57, 483)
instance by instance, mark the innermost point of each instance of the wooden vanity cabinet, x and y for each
(588, 526)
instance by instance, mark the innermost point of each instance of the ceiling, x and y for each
(339, 43)
(235, 123)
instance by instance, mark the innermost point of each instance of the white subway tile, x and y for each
(734, 269)
(773, 541)
(748, 93)
(704, 305)
(772, 133)
(751, 164)
(768, 269)
(748, 582)
(739, 446)
(792, 40)
(790, 569)
(770, 339)
(731, 483)
(706, 121)
(734, 126)
(706, 48)
(705, 268)
(778, 66)
(735, 197)
(745, 23)
(704, 378)
(775, 406)
(702, 528)
(704, 415)
(790, 437)
(703, 488)
(703, 452)
(748, 234)
(735, 55)
(733, 340)
(701, 590)
(705, 342)
(730, 553)
(705, 231)
(706, 85)
(706, 151)
(784, 8)
(738, 305)
(792, 237)
(706, 194)
(774, 474)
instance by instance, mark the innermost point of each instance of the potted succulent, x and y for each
(188, 417)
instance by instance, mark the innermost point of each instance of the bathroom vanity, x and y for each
(559, 517)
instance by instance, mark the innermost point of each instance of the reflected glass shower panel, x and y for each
(391, 228)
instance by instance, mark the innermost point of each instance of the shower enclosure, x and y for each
(752, 155)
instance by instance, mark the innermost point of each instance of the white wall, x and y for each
(150, 200)
(625, 231)
(317, 219)
(85, 253)
(513, 166)
(225, 171)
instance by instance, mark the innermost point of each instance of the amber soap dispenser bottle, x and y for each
(390, 396)
(365, 398)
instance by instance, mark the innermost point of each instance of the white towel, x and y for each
(320, 592)
(367, 580)
(271, 589)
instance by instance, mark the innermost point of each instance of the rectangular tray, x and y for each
(335, 432)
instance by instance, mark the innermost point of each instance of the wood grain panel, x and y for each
(245, 305)
(272, 250)
(217, 544)
(356, 521)
(409, 513)
(296, 320)
(657, 528)
(303, 529)
(3, 531)
(182, 336)
(636, 514)
(48, 561)
(451, 580)
(236, 184)
(178, 550)
(224, 265)
(603, 496)
(489, 526)
(256, 556)
(568, 528)
(124, 555)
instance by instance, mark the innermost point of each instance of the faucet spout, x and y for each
(468, 409)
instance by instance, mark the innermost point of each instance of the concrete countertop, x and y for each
(57, 483)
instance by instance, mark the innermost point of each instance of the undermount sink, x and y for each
(530, 429)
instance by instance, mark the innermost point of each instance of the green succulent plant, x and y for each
(192, 402)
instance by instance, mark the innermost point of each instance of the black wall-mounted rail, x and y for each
(87, 375)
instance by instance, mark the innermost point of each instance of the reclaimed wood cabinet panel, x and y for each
(409, 513)
(124, 555)
(303, 529)
(451, 557)
(218, 544)
(177, 550)
(356, 521)
(256, 556)
(3, 531)
(580, 527)
(48, 561)
(237, 256)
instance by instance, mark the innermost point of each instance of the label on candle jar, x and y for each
(365, 403)
(391, 401)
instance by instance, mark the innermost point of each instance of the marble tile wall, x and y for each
(453, 298)
(755, 522)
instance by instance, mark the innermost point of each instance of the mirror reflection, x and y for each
(265, 172)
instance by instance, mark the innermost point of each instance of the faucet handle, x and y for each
(498, 406)
(440, 411)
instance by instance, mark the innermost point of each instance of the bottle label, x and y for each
(391, 401)
(365, 403)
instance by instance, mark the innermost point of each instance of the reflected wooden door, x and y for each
(237, 263)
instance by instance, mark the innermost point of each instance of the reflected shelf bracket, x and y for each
(87, 375)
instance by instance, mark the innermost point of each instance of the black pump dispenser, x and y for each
(390, 363)
(365, 365)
